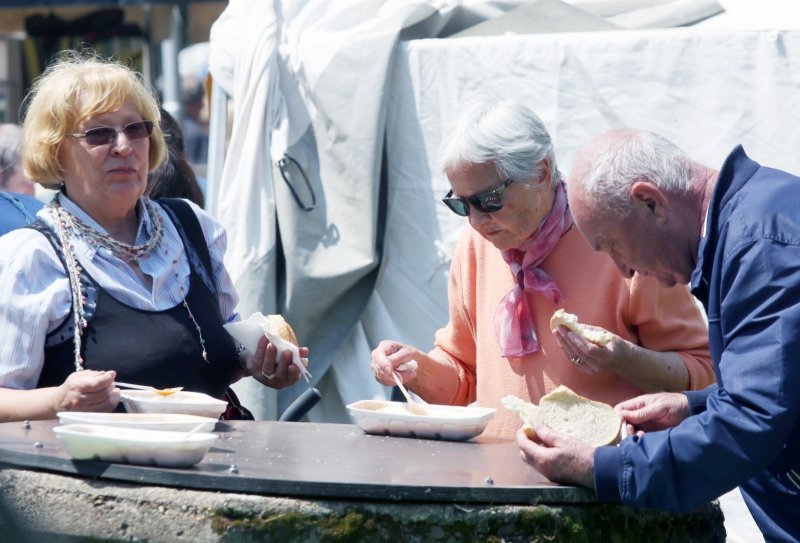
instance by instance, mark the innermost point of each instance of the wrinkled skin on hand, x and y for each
(653, 412)
(594, 357)
(87, 390)
(271, 370)
(558, 456)
(388, 355)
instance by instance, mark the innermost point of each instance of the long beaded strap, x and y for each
(73, 273)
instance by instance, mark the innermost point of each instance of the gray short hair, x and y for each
(502, 131)
(10, 141)
(606, 169)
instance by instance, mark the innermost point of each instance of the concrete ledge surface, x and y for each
(65, 508)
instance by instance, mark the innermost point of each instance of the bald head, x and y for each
(606, 168)
(639, 198)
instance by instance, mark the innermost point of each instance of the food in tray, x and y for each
(562, 318)
(593, 422)
(189, 403)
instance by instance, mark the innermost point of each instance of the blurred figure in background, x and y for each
(17, 204)
(174, 178)
(12, 178)
(195, 120)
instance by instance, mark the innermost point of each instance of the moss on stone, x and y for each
(536, 524)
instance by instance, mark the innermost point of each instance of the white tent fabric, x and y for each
(308, 82)
(314, 79)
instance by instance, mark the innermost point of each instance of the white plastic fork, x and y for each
(413, 406)
(159, 391)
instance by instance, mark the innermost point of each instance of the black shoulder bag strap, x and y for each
(190, 231)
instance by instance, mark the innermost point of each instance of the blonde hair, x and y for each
(75, 87)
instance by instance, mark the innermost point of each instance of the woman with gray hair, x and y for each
(522, 260)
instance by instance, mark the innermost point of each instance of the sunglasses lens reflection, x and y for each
(488, 204)
(457, 206)
(103, 135)
(100, 136)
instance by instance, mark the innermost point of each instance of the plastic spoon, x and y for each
(413, 406)
(188, 434)
(159, 391)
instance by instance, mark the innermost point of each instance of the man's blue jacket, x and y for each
(744, 430)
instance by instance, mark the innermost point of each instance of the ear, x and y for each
(647, 197)
(547, 173)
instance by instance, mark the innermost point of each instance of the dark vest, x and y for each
(156, 348)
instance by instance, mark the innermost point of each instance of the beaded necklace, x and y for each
(76, 227)
(69, 227)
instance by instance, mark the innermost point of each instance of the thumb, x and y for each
(638, 416)
(546, 435)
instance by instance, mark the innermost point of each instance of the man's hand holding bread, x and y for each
(563, 450)
(558, 437)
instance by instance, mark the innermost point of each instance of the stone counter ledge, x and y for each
(82, 510)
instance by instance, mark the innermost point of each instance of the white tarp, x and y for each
(328, 82)
(308, 81)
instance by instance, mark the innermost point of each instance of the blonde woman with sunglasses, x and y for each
(106, 284)
(519, 262)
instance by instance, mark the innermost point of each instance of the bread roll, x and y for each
(278, 325)
(562, 318)
(594, 422)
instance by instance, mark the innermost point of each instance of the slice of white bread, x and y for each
(562, 318)
(593, 422)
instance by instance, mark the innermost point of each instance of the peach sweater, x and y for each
(639, 310)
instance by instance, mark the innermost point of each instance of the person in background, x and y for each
(17, 210)
(195, 120)
(174, 177)
(734, 236)
(12, 177)
(17, 204)
(520, 261)
(107, 283)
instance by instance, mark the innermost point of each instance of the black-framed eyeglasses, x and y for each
(103, 135)
(485, 202)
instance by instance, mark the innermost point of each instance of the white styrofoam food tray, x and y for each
(126, 445)
(183, 402)
(140, 421)
(448, 422)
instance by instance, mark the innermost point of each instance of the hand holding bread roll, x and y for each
(593, 422)
(249, 331)
(281, 334)
(562, 318)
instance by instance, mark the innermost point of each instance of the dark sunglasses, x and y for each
(485, 202)
(103, 135)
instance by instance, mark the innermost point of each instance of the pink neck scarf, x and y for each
(513, 322)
